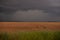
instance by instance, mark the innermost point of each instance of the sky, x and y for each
(29, 10)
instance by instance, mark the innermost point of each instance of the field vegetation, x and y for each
(35, 35)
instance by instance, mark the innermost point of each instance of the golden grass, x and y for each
(29, 26)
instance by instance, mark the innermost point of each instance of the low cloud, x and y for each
(30, 15)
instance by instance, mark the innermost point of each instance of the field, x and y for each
(29, 26)
(35, 35)
(29, 30)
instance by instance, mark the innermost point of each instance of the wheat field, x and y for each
(29, 26)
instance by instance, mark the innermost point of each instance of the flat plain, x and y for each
(29, 26)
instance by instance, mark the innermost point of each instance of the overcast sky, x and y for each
(29, 10)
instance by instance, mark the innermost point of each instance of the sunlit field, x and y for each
(29, 30)
(29, 26)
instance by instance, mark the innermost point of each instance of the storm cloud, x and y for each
(29, 10)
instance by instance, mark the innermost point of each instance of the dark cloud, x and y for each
(29, 10)
(53, 11)
(20, 4)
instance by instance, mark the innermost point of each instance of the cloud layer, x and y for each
(29, 10)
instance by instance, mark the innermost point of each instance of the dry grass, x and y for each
(29, 26)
